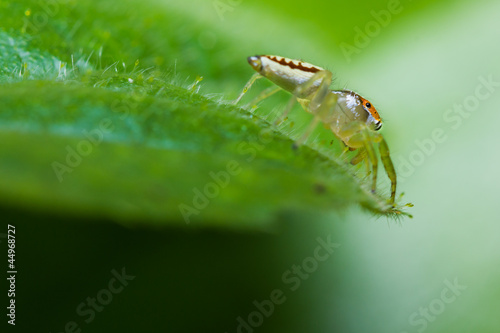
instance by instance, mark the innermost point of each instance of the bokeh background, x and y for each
(422, 62)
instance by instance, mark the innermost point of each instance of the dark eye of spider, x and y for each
(368, 105)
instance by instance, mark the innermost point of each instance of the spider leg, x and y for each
(314, 95)
(360, 156)
(247, 86)
(312, 125)
(359, 135)
(324, 108)
(318, 102)
(285, 113)
(371, 155)
(263, 95)
(385, 157)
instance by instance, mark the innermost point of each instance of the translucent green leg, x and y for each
(358, 134)
(317, 97)
(312, 125)
(263, 95)
(360, 156)
(320, 101)
(327, 104)
(388, 166)
(288, 108)
(372, 156)
(247, 86)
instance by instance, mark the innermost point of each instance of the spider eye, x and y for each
(368, 105)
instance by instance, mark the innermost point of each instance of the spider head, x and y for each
(373, 116)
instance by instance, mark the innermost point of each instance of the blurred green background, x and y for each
(423, 64)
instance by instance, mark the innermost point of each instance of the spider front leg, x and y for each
(371, 155)
(388, 166)
(360, 157)
(360, 135)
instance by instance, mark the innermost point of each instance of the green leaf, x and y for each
(103, 136)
